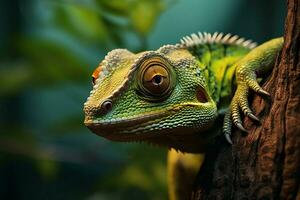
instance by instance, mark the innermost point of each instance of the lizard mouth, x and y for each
(123, 129)
(121, 123)
(133, 129)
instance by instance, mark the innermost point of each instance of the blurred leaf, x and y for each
(14, 76)
(134, 175)
(118, 7)
(47, 168)
(81, 20)
(145, 170)
(143, 15)
(53, 62)
(17, 140)
(67, 125)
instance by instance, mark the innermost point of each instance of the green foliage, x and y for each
(144, 14)
(82, 21)
(147, 173)
(52, 62)
(102, 24)
(21, 73)
(140, 14)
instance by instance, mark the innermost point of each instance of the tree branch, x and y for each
(265, 163)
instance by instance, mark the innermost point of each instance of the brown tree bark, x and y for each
(265, 162)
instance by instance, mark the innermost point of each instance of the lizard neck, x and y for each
(185, 142)
(217, 63)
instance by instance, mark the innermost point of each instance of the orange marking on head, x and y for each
(96, 73)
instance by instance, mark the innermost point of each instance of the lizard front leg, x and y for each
(182, 171)
(258, 61)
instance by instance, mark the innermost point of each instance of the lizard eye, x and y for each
(155, 78)
(96, 73)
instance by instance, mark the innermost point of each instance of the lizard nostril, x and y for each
(106, 106)
(90, 110)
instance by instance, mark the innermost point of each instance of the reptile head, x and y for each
(158, 96)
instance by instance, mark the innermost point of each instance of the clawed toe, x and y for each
(239, 103)
(227, 136)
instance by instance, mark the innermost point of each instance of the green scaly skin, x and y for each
(200, 76)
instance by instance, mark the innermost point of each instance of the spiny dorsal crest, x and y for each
(206, 38)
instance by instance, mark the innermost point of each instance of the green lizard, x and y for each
(178, 96)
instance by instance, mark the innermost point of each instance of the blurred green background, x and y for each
(48, 50)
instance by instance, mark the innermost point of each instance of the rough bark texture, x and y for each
(265, 163)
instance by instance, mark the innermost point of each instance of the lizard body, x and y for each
(177, 96)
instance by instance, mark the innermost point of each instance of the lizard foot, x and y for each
(246, 80)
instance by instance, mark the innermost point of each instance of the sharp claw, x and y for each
(264, 92)
(240, 126)
(227, 136)
(253, 117)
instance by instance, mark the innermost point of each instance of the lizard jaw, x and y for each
(141, 128)
(118, 130)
